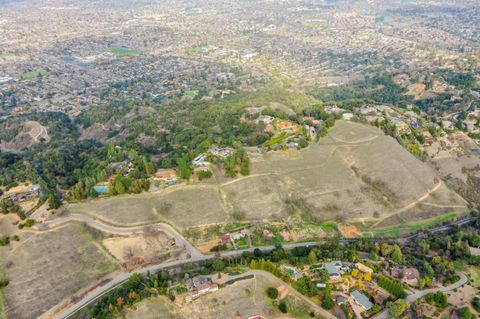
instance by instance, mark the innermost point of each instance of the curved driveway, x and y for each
(421, 293)
(117, 230)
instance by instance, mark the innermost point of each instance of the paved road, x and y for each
(96, 293)
(419, 294)
(194, 254)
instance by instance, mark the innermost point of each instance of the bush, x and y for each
(204, 175)
(218, 248)
(465, 313)
(4, 283)
(29, 223)
(4, 240)
(476, 303)
(282, 306)
(438, 299)
(272, 292)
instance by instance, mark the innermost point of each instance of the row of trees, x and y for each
(238, 162)
(392, 286)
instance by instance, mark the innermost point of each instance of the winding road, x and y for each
(66, 311)
(180, 241)
(420, 293)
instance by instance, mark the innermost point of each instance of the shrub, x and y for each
(204, 175)
(4, 240)
(282, 306)
(272, 292)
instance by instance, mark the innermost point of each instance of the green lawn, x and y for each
(199, 48)
(121, 52)
(7, 55)
(275, 140)
(397, 230)
(32, 74)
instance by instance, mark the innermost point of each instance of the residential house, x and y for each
(225, 239)
(407, 275)
(333, 109)
(166, 176)
(363, 268)
(347, 116)
(334, 269)
(267, 234)
(287, 126)
(266, 119)
(400, 126)
(200, 160)
(361, 300)
(222, 152)
(238, 235)
(201, 286)
(294, 273)
(33, 192)
(340, 300)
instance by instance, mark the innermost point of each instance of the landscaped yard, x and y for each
(32, 74)
(121, 52)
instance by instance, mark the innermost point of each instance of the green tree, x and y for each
(397, 308)
(282, 306)
(397, 255)
(54, 201)
(272, 292)
(218, 265)
(312, 257)
(327, 302)
(184, 168)
(465, 313)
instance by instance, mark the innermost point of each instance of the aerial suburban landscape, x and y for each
(246, 159)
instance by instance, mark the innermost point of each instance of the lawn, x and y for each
(200, 48)
(122, 52)
(32, 74)
(6, 55)
(397, 230)
(275, 140)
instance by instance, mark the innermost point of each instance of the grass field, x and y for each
(355, 175)
(474, 272)
(200, 48)
(122, 52)
(182, 207)
(397, 230)
(241, 299)
(157, 307)
(32, 74)
(47, 267)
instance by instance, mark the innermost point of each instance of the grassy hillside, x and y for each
(355, 174)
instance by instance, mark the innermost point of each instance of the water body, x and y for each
(101, 189)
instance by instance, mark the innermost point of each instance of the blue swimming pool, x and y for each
(101, 189)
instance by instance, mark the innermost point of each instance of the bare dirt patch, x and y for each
(31, 133)
(139, 250)
(349, 231)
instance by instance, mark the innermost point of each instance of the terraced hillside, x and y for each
(355, 174)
